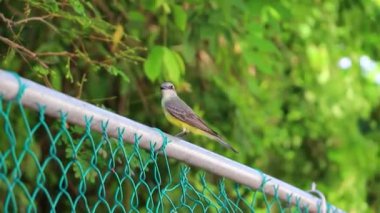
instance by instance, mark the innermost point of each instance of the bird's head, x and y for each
(167, 90)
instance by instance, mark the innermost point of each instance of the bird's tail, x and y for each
(225, 144)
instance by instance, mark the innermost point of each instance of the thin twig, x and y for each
(46, 81)
(41, 19)
(18, 47)
(11, 23)
(6, 20)
(24, 52)
(63, 53)
(101, 99)
(84, 79)
(23, 21)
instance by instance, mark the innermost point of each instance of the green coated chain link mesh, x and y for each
(47, 164)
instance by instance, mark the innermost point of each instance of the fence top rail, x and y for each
(35, 95)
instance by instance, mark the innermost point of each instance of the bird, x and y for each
(180, 114)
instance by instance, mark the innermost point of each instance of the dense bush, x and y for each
(266, 75)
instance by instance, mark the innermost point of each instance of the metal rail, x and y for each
(56, 102)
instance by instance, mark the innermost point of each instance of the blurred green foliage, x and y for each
(264, 74)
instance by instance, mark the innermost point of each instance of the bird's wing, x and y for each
(180, 110)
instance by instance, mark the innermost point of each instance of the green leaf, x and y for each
(68, 74)
(41, 70)
(124, 77)
(117, 72)
(77, 7)
(180, 62)
(136, 16)
(180, 17)
(50, 5)
(173, 65)
(153, 64)
(56, 80)
(264, 45)
(259, 61)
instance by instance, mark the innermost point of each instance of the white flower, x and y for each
(345, 63)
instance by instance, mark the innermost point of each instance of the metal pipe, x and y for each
(36, 95)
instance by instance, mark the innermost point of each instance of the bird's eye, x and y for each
(171, 87)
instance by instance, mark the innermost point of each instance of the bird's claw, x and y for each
(183, 133)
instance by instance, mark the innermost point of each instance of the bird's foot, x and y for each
(181, 134)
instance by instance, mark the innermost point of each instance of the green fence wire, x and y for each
(48, 164)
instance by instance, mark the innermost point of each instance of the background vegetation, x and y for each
(265, 74)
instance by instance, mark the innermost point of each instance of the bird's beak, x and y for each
(162, 87)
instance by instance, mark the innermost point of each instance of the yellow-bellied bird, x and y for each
(180, 114)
